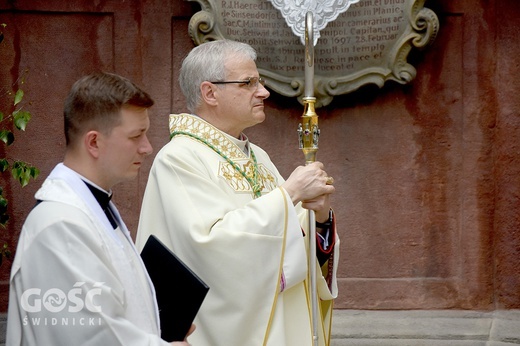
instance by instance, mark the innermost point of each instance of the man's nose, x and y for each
(146, 147)
(262, 91)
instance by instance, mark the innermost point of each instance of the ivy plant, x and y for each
(15, 117)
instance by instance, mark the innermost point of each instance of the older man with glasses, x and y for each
(219, 203)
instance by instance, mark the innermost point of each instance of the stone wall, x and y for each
(427, 174)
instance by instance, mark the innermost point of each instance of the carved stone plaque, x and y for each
(369, 43)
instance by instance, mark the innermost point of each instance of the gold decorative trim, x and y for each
(239, 178)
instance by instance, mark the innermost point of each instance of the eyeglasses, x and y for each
(251, 82)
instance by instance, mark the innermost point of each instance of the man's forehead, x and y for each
(241, 67)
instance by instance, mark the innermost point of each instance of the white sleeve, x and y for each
(64, 290)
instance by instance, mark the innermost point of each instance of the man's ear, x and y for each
(208, 92)
(91, 141)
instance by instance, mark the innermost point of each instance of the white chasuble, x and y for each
(216, 202)
(75, 280)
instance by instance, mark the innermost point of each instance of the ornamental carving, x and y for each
(367, 43)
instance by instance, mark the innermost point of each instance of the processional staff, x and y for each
(309, 133)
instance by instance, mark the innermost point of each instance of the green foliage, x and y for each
(22, 171)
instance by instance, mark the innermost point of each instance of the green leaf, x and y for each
(7, 137)
(4, 165)
(1, 116)
(22, 172)
(17, 172)
(18, 96)
(3, 205)
(35, 172)
(26, 177)
(3, 219)
(21, 118)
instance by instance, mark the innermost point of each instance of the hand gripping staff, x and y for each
(309, 133)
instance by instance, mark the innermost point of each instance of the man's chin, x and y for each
(130, 175)
(260, 116)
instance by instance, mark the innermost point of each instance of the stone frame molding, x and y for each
(418, 28)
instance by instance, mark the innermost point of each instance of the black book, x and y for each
(180, 292)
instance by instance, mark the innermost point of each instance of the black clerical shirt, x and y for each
(103, 199)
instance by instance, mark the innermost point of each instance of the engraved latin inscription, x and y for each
(357, 39)
(368, 43)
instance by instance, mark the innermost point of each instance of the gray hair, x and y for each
(206, 62)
